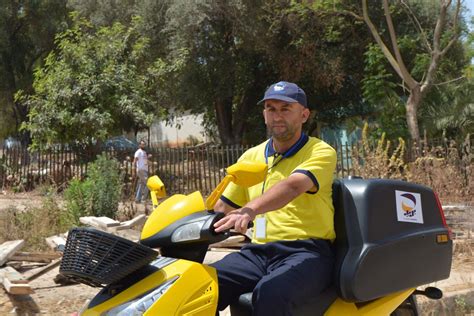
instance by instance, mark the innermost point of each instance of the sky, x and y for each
(470, 5)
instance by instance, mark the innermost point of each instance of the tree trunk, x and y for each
(411, 113)
(223, 110)
(241, 114)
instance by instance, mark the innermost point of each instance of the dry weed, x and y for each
(378, 161)
(447, 170)
(35, 223)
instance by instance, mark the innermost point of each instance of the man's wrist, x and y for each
(249, 210)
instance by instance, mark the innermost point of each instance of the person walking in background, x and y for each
(140, 162)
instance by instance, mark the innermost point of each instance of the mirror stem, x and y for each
(154, 199)
(216, 194)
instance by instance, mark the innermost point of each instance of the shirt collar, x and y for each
(270, 151)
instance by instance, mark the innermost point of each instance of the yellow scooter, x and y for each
(391, 238)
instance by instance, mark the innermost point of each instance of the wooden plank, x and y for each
(14, 264)
(40, 271)
(130, 234)
(35, 256)
(25, 265)
(17, 289)
(55, 241)
(106, 222)
(138, 220)
(99, 222)
(12, 275)
(88, 220)
(8, 249)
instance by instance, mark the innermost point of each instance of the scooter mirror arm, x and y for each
(216, 194)
(154, 199)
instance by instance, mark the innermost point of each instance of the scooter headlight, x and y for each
(140, 305)
(191, 231)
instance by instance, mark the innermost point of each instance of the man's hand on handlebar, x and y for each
(238, 219)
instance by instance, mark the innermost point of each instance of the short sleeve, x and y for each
(235, 196)
(319, 167)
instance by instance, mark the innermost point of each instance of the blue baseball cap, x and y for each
(285, 91)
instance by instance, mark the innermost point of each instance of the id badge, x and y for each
(260, 228)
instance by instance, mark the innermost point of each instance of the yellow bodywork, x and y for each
(171, 210)
(194, 293)
(383, 306)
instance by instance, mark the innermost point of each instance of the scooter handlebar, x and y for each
(218, 217)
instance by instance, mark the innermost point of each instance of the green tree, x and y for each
(107, 12)
(104, 12)
(222, 55)
(451, 110)
(382, 86)
(27, 30)
(436, 38)
(95, 84)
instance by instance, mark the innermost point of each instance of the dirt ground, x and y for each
(52, 299)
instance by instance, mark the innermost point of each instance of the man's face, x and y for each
(284, 120)
(142, 145)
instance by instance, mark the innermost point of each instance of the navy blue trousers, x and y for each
(281, 275)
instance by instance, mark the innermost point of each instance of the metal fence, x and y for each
(183, 170)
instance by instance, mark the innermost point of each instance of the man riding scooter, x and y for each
(290, 258)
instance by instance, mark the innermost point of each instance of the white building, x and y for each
(186, 129)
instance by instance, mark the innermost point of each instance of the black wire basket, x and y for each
(97, 258)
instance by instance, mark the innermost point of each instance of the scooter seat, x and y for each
(316, 306)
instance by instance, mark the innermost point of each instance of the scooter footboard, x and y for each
(180, 288)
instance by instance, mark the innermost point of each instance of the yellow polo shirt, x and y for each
(310, 215)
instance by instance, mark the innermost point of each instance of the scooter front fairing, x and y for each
(166, 287)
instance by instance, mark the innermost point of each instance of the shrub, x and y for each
(99, 194)
(77, 197)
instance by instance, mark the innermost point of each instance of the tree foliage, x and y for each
(107, 72)
(443, 102)
(419, 67)
(95, 84)
(27, 30)
(222, 55)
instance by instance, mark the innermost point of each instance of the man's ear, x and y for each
(305, 114)
(264, 115)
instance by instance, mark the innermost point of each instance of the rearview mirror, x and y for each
(156, 185)
(157, 189)
(243, 173)
(247, 173)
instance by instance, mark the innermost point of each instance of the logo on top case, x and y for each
(409, 207)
